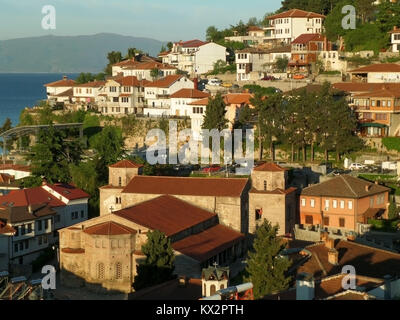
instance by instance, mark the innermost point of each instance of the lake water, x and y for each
(20, 90)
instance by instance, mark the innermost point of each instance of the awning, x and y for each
(373, 125)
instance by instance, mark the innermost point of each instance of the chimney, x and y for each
(196, 83)
(305, 287)
(333, 257)
(65, 77)
(388, 287)
(329, 243)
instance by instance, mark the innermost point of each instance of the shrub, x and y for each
(391, 143)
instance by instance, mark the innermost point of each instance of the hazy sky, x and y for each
(159, 19)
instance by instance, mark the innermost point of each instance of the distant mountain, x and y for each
(58, 54)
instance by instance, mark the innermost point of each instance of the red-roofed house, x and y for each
(195, 56)
(143, 70)
(181, 100)
(36, 214)
(87, 94)
(288, 25)
(377, 73)
(58, 91)
(158, 94)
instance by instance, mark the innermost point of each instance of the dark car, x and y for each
(268, 78)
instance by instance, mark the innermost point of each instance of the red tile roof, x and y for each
(207, 244)
(150, 66)
(344, 186)
(32, 196)
(307, 37)
(131, 81)
(124, 63)
(192, 43)
(15, 167)
(164, 53)
(382, 93)
(364, 86)
(201, 102)
(126, 164)
(166, 214)
(269, 167)
(66, 93)
(296, 13)
(61, 83)
(213, 187)
(69, 191)
(255, 28)
(190, 93)
(165, 82)
(92, 84)
(238, 98)
(381, 67)
(109, 228)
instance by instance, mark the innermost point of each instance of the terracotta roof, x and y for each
(384, 92)
(307, 37)
(126, 63)
(69, 191)
(207, 244)
(395, 30)
(164, 53)
(61, 83)
(15, 167)
(109, 228)
(201, 102)
(192, 43)
(150, 66)
(255, 28)
(165, 82)
(213, 187)
(92, 84)
(368, 261)
(126, 164)
(364, 86)
(170, 290)
(269, 166)
(296, 13)
(131, 81)
(237, 98)
(381, 67)
(344, 186)
(351, 295)
(17, 214)
(31, 196)
(190, 93)
(166, 214)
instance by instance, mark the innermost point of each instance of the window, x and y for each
(342, 204)
(118, 271)
(39, 225)
(82, 213)
(115, 99)
(326, 221)
(26, 244)
(44, 239)
(113, 89)
(22, 230)
(265, 185)
(371, 202)
(57, 218)
(212, 290)
(40, 241)
(120, 181)
(309, 220)
(303, 202)
(16, 247)
(29, 228)
(100, 271)
(21, 246)
(326, 204)
(46, 224)
(312, 203)
(334, 204)
(350, 205)
(258, 214)
(16, 231)
(342, 222)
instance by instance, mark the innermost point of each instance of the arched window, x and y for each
(120, 181)
(222, 287)
(118, 270)
(100, 271)
(212, 290)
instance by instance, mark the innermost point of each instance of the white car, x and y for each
(214, 82)
(356, 166)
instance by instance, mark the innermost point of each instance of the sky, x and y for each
(166, 20)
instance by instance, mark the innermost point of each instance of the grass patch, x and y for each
(384, 225)
(391, 143)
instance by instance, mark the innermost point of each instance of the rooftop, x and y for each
(213, 187)
(384, 92)
(166, 214)
(344, 186)
(364, 86)
(270, 167)
(126, 164)
(68, 191)
(165, 82)
(65, 82)
(109, 228)
(296, 13)
(307, 37)
(380, 67)
(190, 93)
(22, 213)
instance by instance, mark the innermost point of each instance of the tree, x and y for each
(281, 64)
(266, 266)
(159, 264)
(333, 21)
(52, 155)
(365, 9)
(113, 58)
(214, 117)
(7, 125)
(109, 144)
(170, 45)
(155, 73)
(212, 34)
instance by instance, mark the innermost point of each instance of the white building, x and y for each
(287, 26)
(60, 91)
(143, 70)
(194, 56)
(377, 73)
(181, 100)
(395, 39)
(255, 37)
(254, 63)
(15, 170)
(158, 94)
(35, 215)
(87, 94)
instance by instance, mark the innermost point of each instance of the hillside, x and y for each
(73, 54)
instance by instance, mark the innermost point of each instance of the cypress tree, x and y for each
(265, 266)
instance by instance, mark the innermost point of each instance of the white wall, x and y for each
(207, 56)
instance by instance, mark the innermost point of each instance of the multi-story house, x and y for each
(395, 39)
(378, 112)
(158, 93)
(195, 57)
(377, 73)
(122, 96)
(305, 52)
(255, 37)
(118, 67)
(36, 214)
(86, 95)
(180, 101)
(287, 26)
(254, 63)
(60, 91)
(343, 203)
(143, 70)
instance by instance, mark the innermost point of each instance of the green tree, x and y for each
(266, 266)
(170, 45)
(159, 264)
(333, 21)
(53, 153)
(155, 73)
(365, 9)
(109, 144)
(113, 58)
(281, 64)
(214, 117)
(7, 125)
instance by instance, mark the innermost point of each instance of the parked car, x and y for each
(356, 166)
(269, 78)
(227, 85)
(214, 82)
(213, 168)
